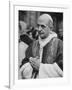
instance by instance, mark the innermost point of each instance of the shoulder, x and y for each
(60, 42)
(57, 41)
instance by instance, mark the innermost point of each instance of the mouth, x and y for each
(40, 32)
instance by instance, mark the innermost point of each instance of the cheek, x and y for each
(44, 35)
(46, 32)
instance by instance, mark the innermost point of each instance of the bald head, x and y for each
(45, 18)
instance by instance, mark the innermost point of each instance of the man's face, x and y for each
(43, 28)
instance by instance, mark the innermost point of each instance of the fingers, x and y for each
(32, 62)
(35, 62)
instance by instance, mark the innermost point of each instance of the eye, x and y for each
(43, 26)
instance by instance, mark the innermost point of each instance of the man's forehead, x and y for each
(44, 18)
(42, 21)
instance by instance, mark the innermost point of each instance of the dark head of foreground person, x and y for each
(45, 54)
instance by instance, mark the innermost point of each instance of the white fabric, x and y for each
(26, 71)
(22, 49)
(41, 51)
(49, 70)
(43, 42)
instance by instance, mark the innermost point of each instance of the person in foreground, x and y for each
(45, 55)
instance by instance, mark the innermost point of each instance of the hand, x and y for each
(35, 62)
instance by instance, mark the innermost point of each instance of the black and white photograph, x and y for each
(36, 45)
(39, 39)
(40, 44)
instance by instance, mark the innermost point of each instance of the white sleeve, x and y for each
(22, 50)
(26, 71)
(50, 70)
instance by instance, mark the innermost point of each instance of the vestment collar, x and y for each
(43, 42)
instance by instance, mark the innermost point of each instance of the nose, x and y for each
(40, 28)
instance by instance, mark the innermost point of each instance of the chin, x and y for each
(43, 37)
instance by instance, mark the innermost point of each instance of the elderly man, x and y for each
(45, 54)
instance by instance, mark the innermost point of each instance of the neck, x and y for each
(43, 42)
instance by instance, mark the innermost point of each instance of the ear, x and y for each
(51, 25)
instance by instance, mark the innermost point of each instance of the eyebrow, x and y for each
(42, 25)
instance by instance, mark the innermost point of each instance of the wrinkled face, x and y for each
(43, 28)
